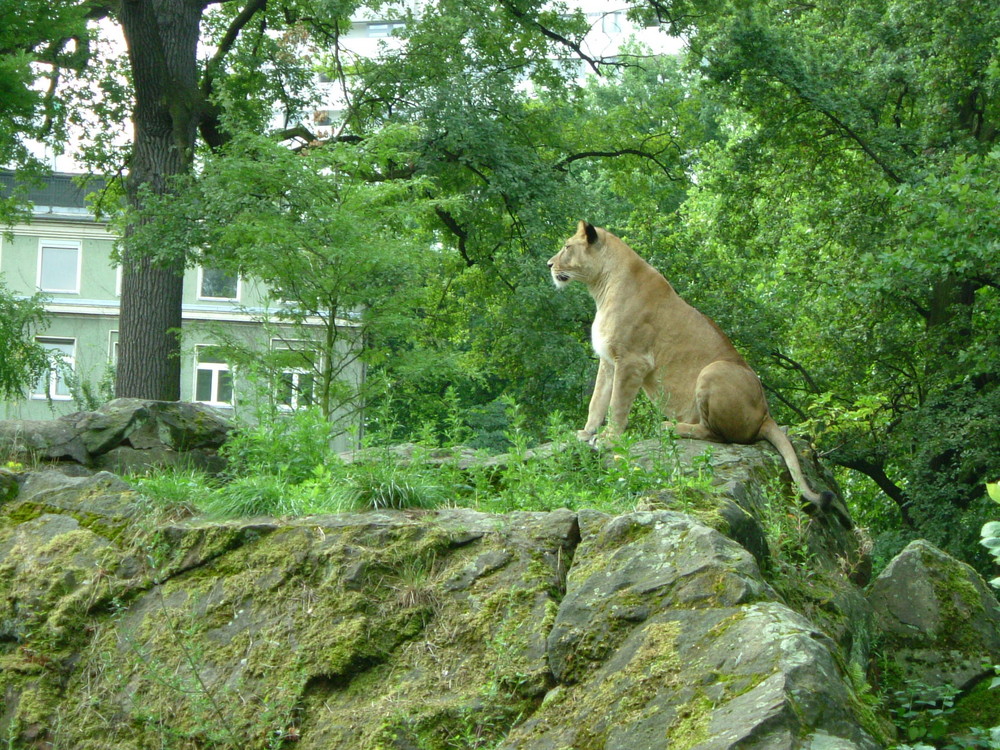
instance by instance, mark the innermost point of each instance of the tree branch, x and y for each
(209, 125)
(876, 472)
(556, 37)
(459, 231)
(566, 161)
(790, 364)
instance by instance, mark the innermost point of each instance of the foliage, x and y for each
(37, 38)
(821, 179)
(22, 360)
(338, 252)
(991, 537)
(283, 466)
(842, 231)
(933, 716)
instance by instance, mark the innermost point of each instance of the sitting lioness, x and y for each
(647, 336)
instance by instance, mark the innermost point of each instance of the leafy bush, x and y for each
(991, 530)
(290, 445)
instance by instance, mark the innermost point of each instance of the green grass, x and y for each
(573, 476)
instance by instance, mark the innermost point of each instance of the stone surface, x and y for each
(124, 435)
(416, 629)
(941, 617)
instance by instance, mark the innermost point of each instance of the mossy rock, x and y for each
(939, 619)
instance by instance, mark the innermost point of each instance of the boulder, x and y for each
(940, 618)
(53, 440)
(124, 435)
(668, 636)
(401, 629)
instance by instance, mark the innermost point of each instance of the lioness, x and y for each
(647, 336)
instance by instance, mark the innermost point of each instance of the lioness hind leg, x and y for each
(693, 431)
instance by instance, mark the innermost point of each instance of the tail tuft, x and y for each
(826, 498)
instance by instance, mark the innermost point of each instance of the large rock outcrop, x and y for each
(668, 627)
(938, 615)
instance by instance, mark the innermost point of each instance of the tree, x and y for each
(38, 39)
(177, 103)
(335, 247)
(854, 206)
(22, 360)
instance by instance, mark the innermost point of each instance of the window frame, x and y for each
(201, 286)
(54, 377)
(216, 368)
(59, 244)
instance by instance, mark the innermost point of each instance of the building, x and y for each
(375, 33)
(64, 252)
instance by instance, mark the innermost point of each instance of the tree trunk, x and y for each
(162, 39)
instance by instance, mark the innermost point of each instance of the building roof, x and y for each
(57, 194)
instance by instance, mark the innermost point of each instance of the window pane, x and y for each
(306, 384)
(210, 355)
(225, 394)
(218, 283)
(286, 389)
(41, 387)
(58, 272)
(61, 388)
(203, 386)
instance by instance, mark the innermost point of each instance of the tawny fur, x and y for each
(648, 337)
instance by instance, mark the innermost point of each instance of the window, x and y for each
(113, 349)
(217, 283)
(384, 29)
(53, 384)
(59, 266)
(611, 23)
(296, 384)
(295, 389)
(213, 382)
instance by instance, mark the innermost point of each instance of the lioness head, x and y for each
(576, 260)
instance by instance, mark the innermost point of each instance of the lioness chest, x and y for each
(614, 338)
(599, 339)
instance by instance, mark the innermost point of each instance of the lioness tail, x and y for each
(776, 437)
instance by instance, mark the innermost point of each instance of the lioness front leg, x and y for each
(599, 401)
(628, 378)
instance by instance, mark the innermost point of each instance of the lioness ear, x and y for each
(589, 230)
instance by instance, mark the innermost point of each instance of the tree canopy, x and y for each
(822, 179)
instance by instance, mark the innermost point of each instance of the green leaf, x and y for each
(993, 490)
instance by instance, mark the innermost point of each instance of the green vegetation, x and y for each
(821, 179)
(991, 530)
(22, 360)
(285, 468)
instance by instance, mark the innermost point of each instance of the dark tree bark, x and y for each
(162, 38)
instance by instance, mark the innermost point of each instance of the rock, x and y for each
(110, 425)
(125, 435)
(419, 628)
(101, 494)
(668, 634)
(940, 616)
(55, 440)
(9, 486)
(127, 460)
